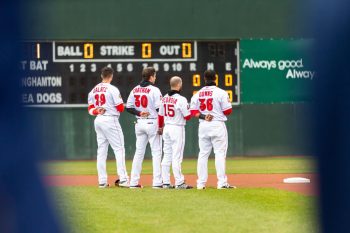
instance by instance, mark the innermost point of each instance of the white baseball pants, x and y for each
(212, 135)
(146, 131)
(174, 143)
(109, 132)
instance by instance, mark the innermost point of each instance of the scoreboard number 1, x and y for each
(146, 50)
(228, 80)
(196, 80)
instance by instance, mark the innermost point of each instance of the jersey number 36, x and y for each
(206, 104)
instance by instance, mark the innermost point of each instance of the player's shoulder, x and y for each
(154, 88)
(197, 93)
(195, 96)
(220, 91)
(181, 98)
(112, 87)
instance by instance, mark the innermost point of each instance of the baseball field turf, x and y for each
(89, 209)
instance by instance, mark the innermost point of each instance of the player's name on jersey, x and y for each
(42, 81)
(99, 89)
(169, 99)
(141, 90)
(205, 93)
(123, 51)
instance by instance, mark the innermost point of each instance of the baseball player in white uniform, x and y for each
(211, 104)
(173, 113)
(144, 102)
(106, 103)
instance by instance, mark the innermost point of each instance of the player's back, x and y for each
(145, 99)
(211, 100)
(174, 108)
(107, 96)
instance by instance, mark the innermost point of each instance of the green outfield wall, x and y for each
(274, 115)
(276, 71)
(253, 129)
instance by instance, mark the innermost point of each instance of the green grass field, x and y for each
(89, 209)
(240, 165)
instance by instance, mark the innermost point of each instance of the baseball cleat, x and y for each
(136, 186)
(183, 186)
(102, 186)
(168, 186)
(157, 187)
(227, 186)
(122, 184)
(200, 187)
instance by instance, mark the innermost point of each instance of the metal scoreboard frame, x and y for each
(51, 76)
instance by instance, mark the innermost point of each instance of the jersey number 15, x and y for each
(169, 110)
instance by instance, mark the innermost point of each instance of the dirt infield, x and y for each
(239, 180)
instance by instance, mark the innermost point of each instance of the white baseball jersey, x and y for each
(107, 96)
(108, 130)
(174, 108)
(213, 100)
(145, 99)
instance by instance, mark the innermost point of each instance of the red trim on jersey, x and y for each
(187, 117)
(92, 110)
(120, 107)
(227, 111)
(160, 121)
(195, 113)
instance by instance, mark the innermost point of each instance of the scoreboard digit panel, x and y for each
(61, 73)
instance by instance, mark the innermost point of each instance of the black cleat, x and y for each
(183, 186)
(122, 184)
(227, 186)
(136, 186)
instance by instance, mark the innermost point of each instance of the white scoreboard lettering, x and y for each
(61, 73)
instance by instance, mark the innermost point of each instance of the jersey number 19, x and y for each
(100, 99)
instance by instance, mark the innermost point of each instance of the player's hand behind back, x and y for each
(144, 114)
(101, 110)
(209, 117)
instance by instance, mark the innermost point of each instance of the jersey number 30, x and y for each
(206, 104)
(141, 101)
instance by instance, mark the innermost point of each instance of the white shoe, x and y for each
(200, 187)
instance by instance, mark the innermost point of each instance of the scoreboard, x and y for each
(62, 73)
